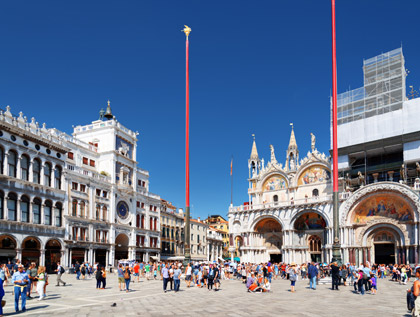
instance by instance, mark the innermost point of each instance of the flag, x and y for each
(231, 166)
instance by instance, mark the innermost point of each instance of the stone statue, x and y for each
(418, 169)
(124, 149)
(292, 163)
(361, 178)
(313, 142)
(273, 156)
(402, 173)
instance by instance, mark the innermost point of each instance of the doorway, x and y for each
(316, 257)
(384, 253)
(275, 258)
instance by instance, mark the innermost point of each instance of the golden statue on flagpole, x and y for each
(186, 30)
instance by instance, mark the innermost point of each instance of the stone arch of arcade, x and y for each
(268, 233)
(311, 229)
(121, 246)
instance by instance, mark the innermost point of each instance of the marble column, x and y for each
(42, 257)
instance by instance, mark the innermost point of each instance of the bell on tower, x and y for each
(108, 112)
(254, 163)
(292, 152)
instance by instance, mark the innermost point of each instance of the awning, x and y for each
(221, 259)
(176, 258)
(153, 257)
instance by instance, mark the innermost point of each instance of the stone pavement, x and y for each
(80, 298)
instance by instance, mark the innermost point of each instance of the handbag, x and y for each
(3, 303)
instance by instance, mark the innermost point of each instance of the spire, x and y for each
(254, 152)
(108, 112)
(292, 142)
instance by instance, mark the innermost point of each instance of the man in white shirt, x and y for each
(60, 271)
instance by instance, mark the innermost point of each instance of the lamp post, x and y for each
(336, 228)
(187, 252)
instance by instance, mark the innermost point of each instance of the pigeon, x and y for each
(114, 304)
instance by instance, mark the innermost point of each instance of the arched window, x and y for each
(314, 244)
(74, 208)
(138, 221)
(1, 159)
(155, 225)
(24, 208)
(36, 171)
(151, 224)
(24, 167)
(104, 213)
(58, 214)
(47, 174)
(315, 193)
(82, 209)
(275, 198)
(12, 162)
(57, 177)
(47, 213)
(142, 221)
(1, 205)
(12, 207)
(36, 209)
(98, 212)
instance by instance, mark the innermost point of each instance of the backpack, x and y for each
(411, 299)
(98, 274)
(126, 275)
(62, 271)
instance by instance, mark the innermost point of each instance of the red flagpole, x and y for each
(187, 129)
(334, 96)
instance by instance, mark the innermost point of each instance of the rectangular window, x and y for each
(105, 237)
(83, 188)
(142, 205)
(139, 182)
(142, 240)
(57, 216)
(98, 236)
(198, 238)
(154, 208)
(70, 155)
(192, 237)
(150, 207)
(74, 186)
(98, 192)
(24, 209)
(138, 204)
(85, 161)
(74, 233)
(143, 183)
(104, 194)
(36, 208)
(47, 214)
(92, 163)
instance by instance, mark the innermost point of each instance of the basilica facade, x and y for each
(289, 213)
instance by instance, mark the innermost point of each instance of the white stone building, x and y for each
(74, 198)
(214, 244)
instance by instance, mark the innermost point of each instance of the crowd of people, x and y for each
(29, 279)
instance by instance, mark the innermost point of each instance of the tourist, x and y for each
(3, 278)
(155, 270)
(292, 276)
(312, 274)
(121, 280)
(136, 272)
(127, 277)
(32, 273)
(83, 270)
(103, 277)
(77, 270)
(344, 272)
(416, 292)
(60, 270)
(200, 279)
(176, 277)
(41, 280)
(20, 281)
(98, 276)
(171, 276)
(360, 282)
(335, 273)
(188, 273)
(147, 268)
(165, 276)
(372, 281)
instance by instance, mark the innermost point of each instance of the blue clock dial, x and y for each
(122, 210)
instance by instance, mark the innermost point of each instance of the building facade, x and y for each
(221, 224)
(214, 244)
(74, 198)
(289, 213)
(198, 242)
(172, 235)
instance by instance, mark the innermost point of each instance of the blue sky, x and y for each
(255, 66)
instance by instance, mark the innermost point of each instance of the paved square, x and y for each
(80, 298)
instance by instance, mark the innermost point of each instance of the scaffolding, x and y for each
(383, 90)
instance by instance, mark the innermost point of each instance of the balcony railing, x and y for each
(92, 174)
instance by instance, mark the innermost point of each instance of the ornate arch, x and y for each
(312, 165)
(304, 211)
(346, 209)
(258, 219)
(401, 234)
(267, 177)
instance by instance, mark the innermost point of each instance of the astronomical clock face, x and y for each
(122, 210)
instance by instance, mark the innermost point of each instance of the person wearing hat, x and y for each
(292, 276)
(20, 281)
